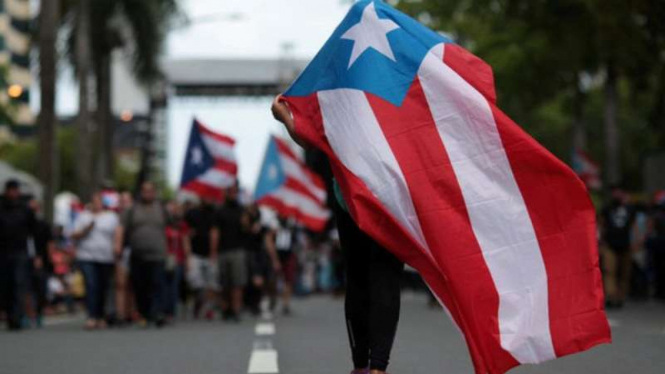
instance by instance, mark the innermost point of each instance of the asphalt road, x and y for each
(311, 341)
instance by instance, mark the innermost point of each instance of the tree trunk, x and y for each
(612, 135)
(657, 118)
(85, 155)
(104, 119)
(579, 128)
(48, 26)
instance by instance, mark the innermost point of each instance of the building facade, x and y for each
(15, 74)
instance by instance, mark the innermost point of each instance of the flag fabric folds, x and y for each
(210, 163)
(286, 185)
(502, 231)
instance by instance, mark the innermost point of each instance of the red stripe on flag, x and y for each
(564, 220)
(226, 166)
(284, 149)
(217, 136)
(476, 71)
(437, 197)
(295, 185)
(204, 190)
(310, 222)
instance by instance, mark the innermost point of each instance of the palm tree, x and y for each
(48, 28)
(139, 27)
(85, 146)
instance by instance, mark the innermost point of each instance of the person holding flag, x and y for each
(430, 169)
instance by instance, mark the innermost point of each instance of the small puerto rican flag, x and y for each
(210, 163)
(286, 185)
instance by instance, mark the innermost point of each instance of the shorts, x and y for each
(202, 273)
(233, 268)
(287, 260)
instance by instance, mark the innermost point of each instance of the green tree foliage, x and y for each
(551, 57)
(23, 156)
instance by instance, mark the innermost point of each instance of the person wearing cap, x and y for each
(17, 224)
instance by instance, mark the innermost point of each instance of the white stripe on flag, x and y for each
(219, 150)
(357, 139)
(303, 203)
(295, 171)
(497, 210)
(217, 178)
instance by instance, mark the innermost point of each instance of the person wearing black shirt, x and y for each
(201, 269)
(41, 266)
(228, 241)
(17, 224)
(617, 220)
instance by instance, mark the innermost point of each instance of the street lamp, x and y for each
(15, 91)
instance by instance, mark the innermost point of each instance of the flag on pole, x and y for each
(587, 169)
(210, 163)
(503, 232)
(286, 185)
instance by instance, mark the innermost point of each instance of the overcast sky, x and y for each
(243, 29)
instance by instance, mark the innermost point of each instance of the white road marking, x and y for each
(264, 357)
(614, 322)
(263, 362)
(266, 328)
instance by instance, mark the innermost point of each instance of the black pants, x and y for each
(14, 279)
(38, 289)
(97, 278)
(372, 295)
(148, 282)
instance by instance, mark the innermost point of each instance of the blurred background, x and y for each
(100, 95)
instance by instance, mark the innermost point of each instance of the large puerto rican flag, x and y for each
(286, 185)
(210, 163)
(502, 231)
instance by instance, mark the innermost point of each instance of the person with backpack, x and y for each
(617, 221)
(144, 231)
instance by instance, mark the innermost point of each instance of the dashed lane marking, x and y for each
(266, 328)
(263, 362)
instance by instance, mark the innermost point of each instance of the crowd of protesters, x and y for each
(632, 248)
(149, 262)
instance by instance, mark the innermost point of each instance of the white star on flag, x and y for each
(273, 172)
(197, 156)
(370, 32)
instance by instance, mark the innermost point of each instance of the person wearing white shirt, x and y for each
(96, 233)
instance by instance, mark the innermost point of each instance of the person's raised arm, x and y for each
(282, 113)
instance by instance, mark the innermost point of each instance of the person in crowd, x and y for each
(44, 247)
(144, 228)
(264, 263)
(124, 297)
(373, 276)
(617, 221)
(96, 232)
(17, 224)
(177, 236)
(656, 244)
(61, 258)
(285, 241)
(228, 238)
(202, 275)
